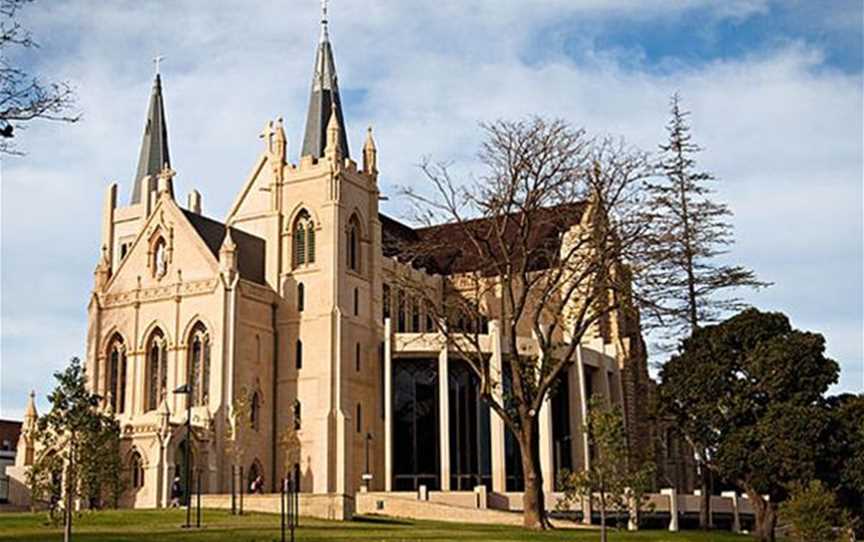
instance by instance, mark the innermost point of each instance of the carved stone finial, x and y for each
(370, 154)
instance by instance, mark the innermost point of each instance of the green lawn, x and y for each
(158, 525)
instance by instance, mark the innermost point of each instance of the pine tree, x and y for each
(684, 283)
(690, 231)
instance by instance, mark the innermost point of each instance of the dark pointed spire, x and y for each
(154, 145)
(324, 96)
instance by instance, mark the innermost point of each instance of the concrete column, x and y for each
(583, 408)
(583, 435)
(444, 417)
(673, 508)
(496, 423)
(574, 404)
(547, 459)
(632, 511)
(388, 406)
(481, 497)
(736, 514)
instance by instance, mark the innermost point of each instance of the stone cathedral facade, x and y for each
(286, 319)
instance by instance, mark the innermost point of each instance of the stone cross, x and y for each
(157, 60)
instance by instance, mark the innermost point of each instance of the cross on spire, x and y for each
(157, 60)
(324, 34)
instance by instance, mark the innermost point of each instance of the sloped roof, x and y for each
(250, 249)
(448, 248)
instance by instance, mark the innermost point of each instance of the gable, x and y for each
(255, 195)
(182, 249)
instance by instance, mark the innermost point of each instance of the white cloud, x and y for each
(782, 132)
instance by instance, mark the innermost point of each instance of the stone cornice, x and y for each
(159, 293)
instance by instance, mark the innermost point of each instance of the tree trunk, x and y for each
(603, 534)
(533, 501)
(67, 512)
(766, 517)
(705, 498)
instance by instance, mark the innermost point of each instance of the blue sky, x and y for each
(775, 89)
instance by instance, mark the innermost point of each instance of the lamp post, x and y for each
(186, 389)
(367, 476)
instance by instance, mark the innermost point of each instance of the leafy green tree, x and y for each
(72, 435)
(611, 482)
(749, 391)
(813, 514)
(681, 280)
(101, 469)
(842, 468)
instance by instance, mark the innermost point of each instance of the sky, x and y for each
(774, 87)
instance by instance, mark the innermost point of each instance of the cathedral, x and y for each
(284, 322)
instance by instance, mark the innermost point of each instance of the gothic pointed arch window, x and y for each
(353, 244)
(116, 385)
(136, 470)
(303, 240)
(199, 364)
(157, 369)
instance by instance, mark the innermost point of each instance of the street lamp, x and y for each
(367, 476)
(186, 389)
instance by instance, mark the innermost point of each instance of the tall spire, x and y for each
(154, 146)
(324, 98)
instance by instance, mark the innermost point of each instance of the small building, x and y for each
(10, 430)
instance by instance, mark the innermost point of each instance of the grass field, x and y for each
(158, 525)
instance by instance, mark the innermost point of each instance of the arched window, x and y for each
(353, 255)
(298, 420)
(255, 411)
(400, 323)
(136, 468)
(298, 354)
(116, 385)
(157, 369)
(303, 251)
(359, 418)
(415, 316)
(301, 293)
(199, 364)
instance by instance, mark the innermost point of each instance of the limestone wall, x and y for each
(316, 505)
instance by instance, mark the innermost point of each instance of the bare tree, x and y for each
(23, 96)
(538, 243)
(683, 280)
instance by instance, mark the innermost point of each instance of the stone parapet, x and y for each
(316, 505)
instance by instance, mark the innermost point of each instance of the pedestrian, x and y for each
(257, 485)
(175, 492)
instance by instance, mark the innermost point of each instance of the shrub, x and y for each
(812, 514)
